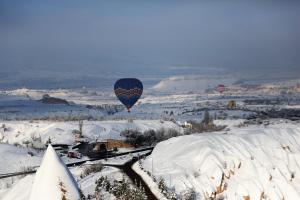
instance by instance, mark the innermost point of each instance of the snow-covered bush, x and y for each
(167, 192)
(148, 137)
(93, 168)
(190, 194)
(200, 127)
(120, 189)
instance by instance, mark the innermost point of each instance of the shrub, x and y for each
(200, 127)
(167, 192)
(121, 190)
(93, 168)
(148, 137)
(190, 194)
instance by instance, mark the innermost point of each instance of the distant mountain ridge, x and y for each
(202, 84)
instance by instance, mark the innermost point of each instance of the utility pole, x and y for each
(80, 128)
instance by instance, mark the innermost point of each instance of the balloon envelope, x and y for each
(128, 91)
(221, 88)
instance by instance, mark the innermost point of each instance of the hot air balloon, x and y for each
(128, 91)
(298, 87)
(221, 88)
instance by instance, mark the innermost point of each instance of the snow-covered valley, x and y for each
(255, 154)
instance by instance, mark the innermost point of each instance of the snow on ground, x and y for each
(78, 96)
(255, 160)
(229, 123)
(88, 185)
(20, 108)
(181, 104)
(61, 132)
(18, 188)
(21, 189)
(193, 83)
(52, 181)
(16, 158)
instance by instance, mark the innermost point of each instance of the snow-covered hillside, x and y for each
(16, 158)
(186, 84)
(256, 162)
(78, 96)
(61, 132)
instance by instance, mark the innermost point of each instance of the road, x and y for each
(126, 168)
(7, 175)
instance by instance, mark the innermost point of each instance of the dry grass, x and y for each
(63, 190)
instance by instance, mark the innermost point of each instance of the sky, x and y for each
(155, 38)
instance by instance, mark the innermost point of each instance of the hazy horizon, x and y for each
(47, 41)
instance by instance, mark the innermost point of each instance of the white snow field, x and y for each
(61, 132)
(53, 180)
(192, 83)
(256, 162)
(183, 96)
(20, 190)
(16, 158)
